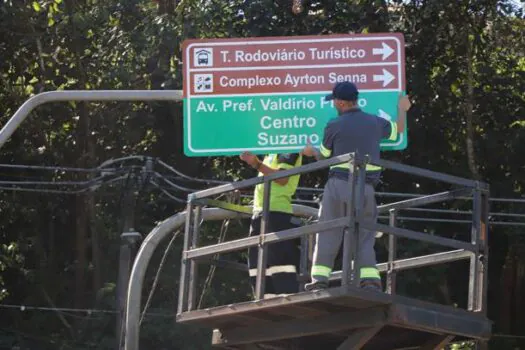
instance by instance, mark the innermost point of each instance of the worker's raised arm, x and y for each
(325, 150)
(391, 129)
(255, 163)
(402, 107)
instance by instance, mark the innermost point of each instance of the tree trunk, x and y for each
(469, 108)
(95, 246)
(505, 302)
(85, 207)
(84, 202)
(80, 270)
(511, 318)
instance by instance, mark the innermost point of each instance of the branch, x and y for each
(59, 314)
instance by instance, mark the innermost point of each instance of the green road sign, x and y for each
(262, 96)
(267, 123)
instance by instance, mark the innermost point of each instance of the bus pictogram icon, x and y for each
(203, 57)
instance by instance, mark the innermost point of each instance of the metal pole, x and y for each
(359, 204)
(484, 245)
(483, 260)
(303, 260)
(127, 251)
(263, 249)
(194, 271)
(184, 268)
(79, 95)
(348, 231)
(391, 274)
(473, 302)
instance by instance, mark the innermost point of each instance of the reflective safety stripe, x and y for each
(281, 269)
(284, 166)
(393, 132)
(369, 167)
(325, 151)
(320, 270)
(370, 272)
(275, 269)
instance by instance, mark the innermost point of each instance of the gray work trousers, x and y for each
(335, 200)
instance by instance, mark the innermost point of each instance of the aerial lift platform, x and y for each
(343, 317)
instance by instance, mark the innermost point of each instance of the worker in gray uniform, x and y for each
(352, 131)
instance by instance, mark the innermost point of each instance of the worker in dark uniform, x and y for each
(352, 131)
(283, 257)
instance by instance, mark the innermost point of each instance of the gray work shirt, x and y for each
(357, 131)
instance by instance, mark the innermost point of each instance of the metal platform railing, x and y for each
(476, 250)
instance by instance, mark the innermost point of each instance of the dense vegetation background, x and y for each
(466, 75)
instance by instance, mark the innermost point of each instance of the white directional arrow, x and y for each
(384, 115)
(386, 51)
(386, 77)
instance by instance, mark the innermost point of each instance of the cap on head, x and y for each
(345, 91)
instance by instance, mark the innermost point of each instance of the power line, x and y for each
(172, 197)
(196, 179)
(301, 190)
(182, 176)
(424, 210)
(109, 173)
(56, 168)
(55, 183)
(462, 212)
(24, 308)
(44, 191)
(78, 186)
(453, 221)
(178, 187)
(157, 276)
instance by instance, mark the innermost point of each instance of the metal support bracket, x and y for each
(373, 317)
(359, 338)
(437, 342)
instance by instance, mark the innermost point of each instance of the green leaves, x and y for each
(520, 123)
(36, 6)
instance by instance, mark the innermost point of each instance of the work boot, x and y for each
(315, 286)
(371, 284)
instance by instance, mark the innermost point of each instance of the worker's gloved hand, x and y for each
(250, 158)
(404, 103)
(308, 150)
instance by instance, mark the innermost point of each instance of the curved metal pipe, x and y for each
(145, 254)
(83, 95)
